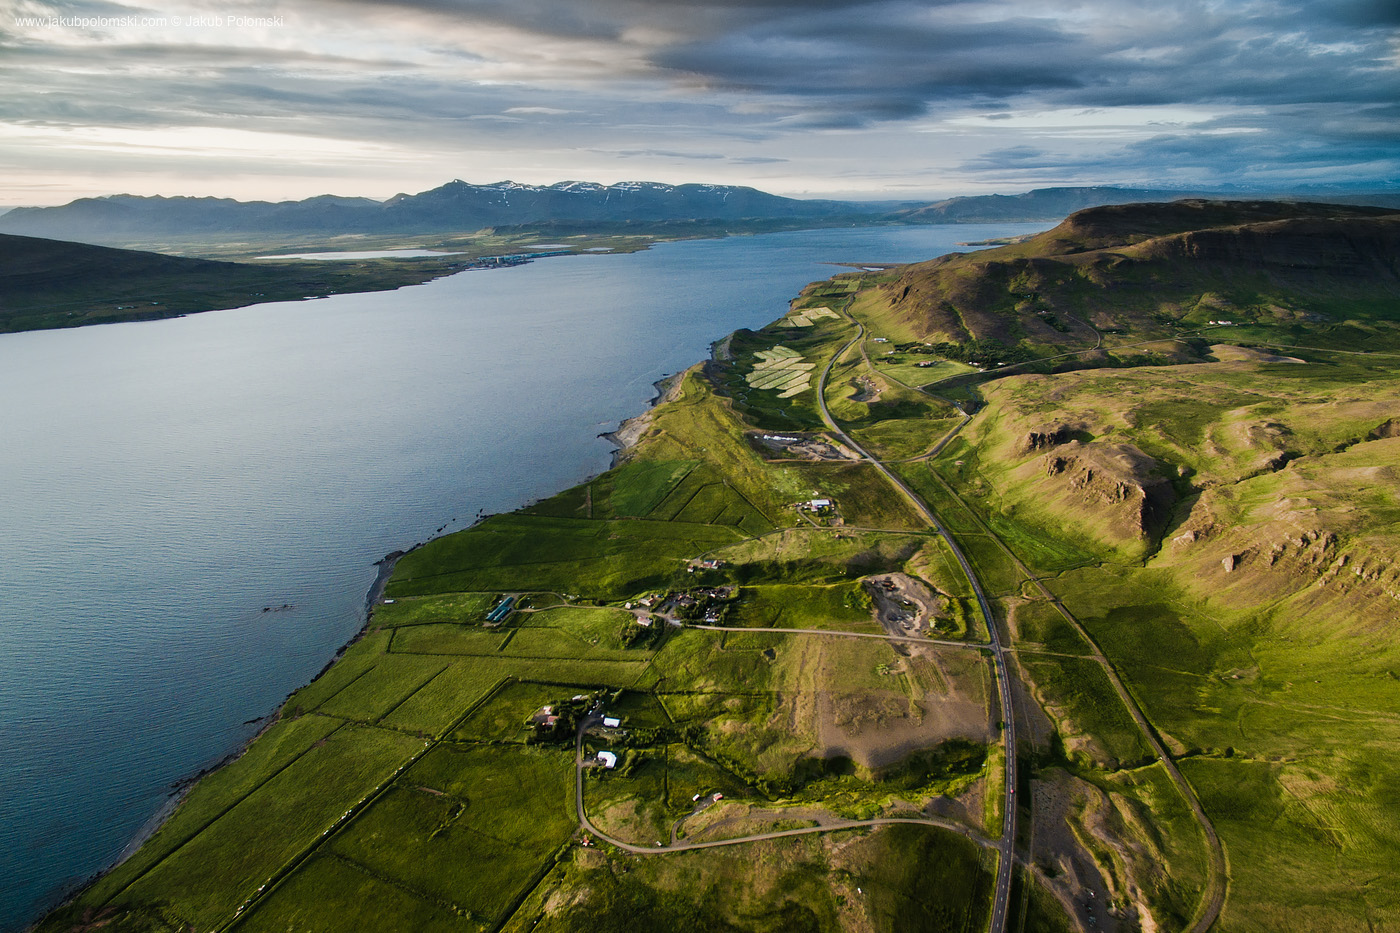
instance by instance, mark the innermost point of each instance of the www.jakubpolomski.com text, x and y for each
(183, 22)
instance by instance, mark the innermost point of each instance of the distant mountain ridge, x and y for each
(461, 207)
(455, 207)
(1046, 204)
(1039, 204)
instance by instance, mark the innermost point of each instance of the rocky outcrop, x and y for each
(1049, 436)
(1118, 482)
(1353, 249)
(1303, 548)
(1386, 429)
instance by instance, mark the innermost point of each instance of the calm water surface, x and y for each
(161, 483)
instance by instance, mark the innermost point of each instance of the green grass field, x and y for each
(592, 558)
(905, 368)
(455, 608)
(844, 606)
(1093, 726)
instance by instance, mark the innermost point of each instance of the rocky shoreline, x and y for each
(630, 431)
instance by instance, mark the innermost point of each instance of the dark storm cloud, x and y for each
(602, 18)
(910, 63)
(1233, 87)
(1362, 13)
(919, 62)
(843, 64)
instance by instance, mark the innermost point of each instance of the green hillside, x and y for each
(53, 283)
(1134, 283)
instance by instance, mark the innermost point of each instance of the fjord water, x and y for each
(163, 485)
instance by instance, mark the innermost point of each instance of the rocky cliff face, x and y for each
(1301, 250)
(1125, 486)
(1386, 429)
(1059, 473)
(1050, 435)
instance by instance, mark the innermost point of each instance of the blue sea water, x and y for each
(162, 483)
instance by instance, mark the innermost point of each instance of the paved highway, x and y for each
(1213, 898)
(1007, 844)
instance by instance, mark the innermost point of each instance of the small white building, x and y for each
(607, 759)
(816, 505)
(612, 722)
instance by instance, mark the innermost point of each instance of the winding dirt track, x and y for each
(828, 827)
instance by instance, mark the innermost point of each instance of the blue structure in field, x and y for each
(503, 609)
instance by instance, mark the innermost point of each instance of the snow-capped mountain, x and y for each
(455, 207)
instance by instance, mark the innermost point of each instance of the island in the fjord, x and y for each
(1045, 588)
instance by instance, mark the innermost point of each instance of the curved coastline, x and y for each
(631, 429)
(626, 435)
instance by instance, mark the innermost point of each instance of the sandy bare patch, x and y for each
(867, 389)
(934, 695)
(800, 447)
(1229, 353)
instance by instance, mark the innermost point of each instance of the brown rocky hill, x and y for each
(1154, 270)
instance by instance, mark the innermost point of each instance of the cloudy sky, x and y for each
(912, 98)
